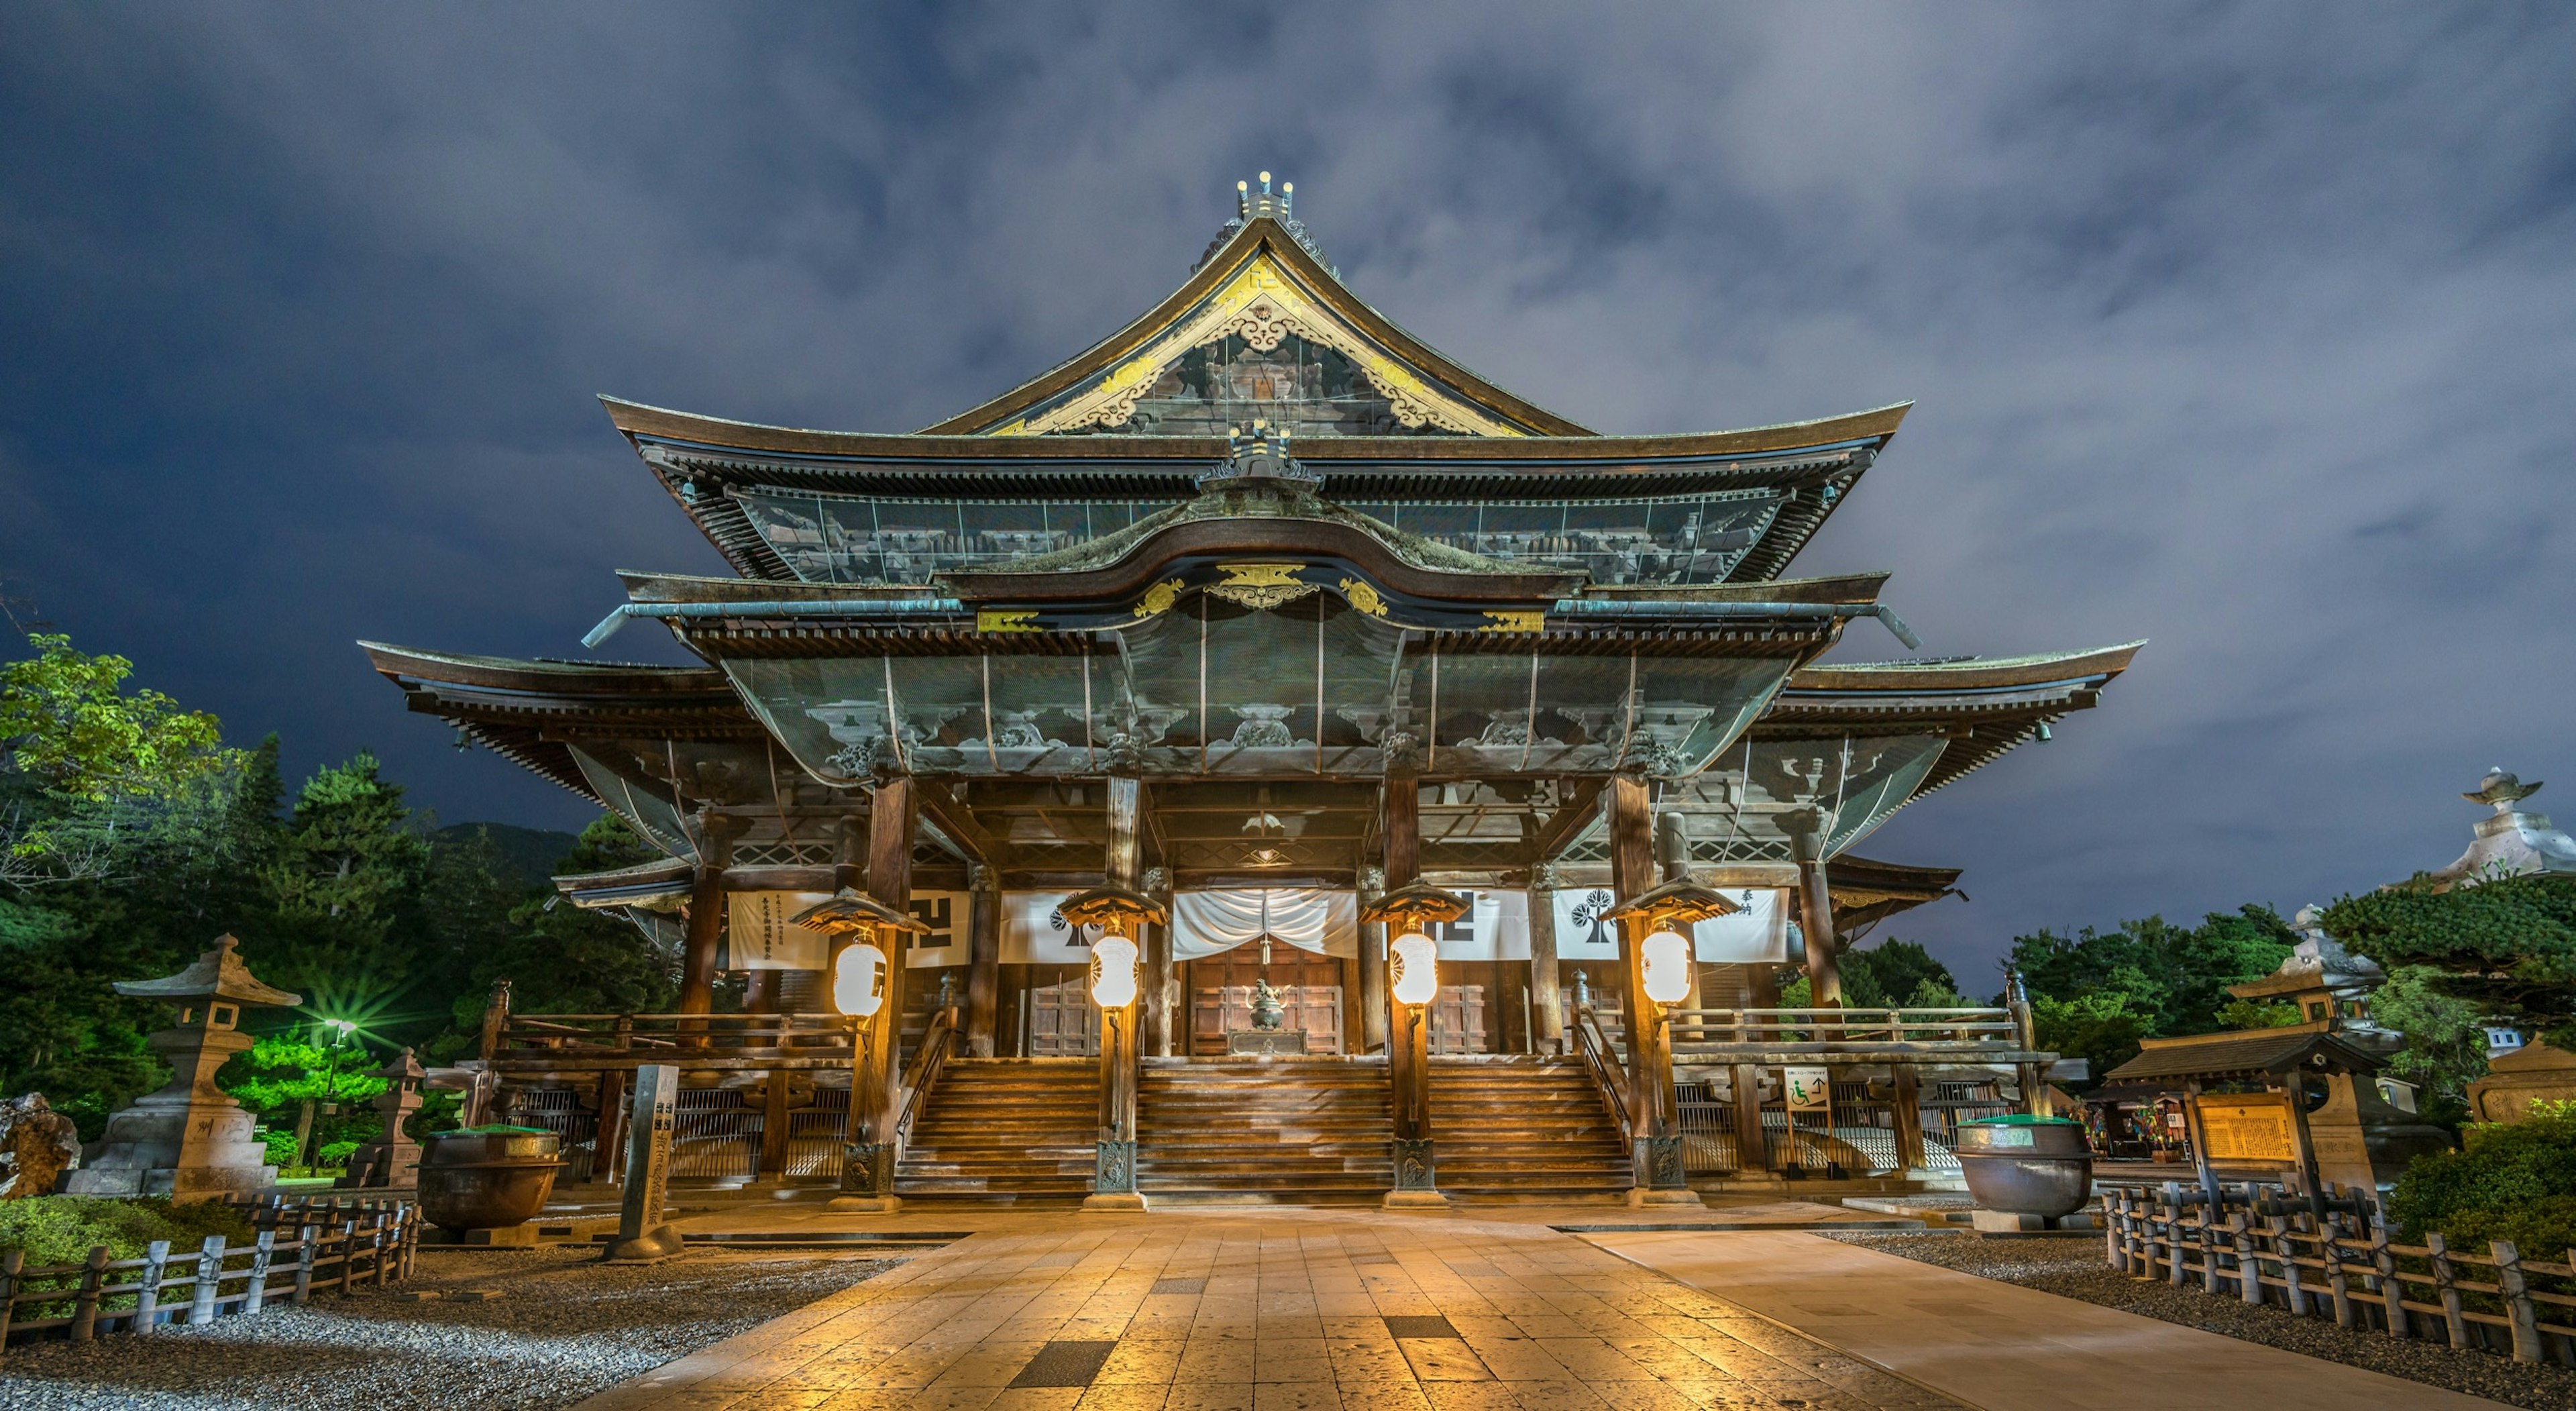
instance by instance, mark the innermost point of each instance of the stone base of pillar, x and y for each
(1415, 1200)
(1640, 1198)
(1114, 1202)
(651, 1247)
(864, 1204)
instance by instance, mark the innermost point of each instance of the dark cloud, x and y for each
(2238, 327)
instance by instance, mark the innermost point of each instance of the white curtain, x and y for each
(1309, 918)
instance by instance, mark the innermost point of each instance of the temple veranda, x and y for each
(1457, 777)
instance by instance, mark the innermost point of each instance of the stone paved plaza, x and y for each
(1324, 1308)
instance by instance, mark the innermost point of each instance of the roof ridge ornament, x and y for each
(1257, 455)
(1279, 206)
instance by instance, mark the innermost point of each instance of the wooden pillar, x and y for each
(706, 912)
(2199, 1138)
(1408, 1049)
(1907, 1105)
(983, 961)
(1816, 908)
(867, 1175)
(1752, 1149)
(1372, 1001)
(1113, 1181)
(760, 992)
(773, 1125)
(608, 1139)
(1547, 992)
(1653, 1104)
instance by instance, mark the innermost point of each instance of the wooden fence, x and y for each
(302, 1246)
(2262, 1245)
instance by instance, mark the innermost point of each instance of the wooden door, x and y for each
(1063, 1022)
(1458, 1020)
(1221, 996)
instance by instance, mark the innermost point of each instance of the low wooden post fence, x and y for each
(2339, 1259)
(336, 1239)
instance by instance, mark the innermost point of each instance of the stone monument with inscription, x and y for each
(642, 1234)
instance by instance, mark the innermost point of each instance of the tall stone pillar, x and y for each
(983, 961)
(1547, 996)
(716, 834)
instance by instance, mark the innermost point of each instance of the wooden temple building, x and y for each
(1265, 612)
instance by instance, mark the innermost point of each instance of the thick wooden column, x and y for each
(1653, 1104)
(706, 912)
(1907, 1107)
(1816, 908)
(1547, 994)
(1158, 987)
(983, 961)
(1408, 1049)
(1371, 993)
(1113, 1178)
(867, 1171)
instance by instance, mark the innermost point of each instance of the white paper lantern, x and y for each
(1413, 969)
(1113, 972)
(1667, 957)
(859, 981)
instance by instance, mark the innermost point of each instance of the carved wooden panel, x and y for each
(1063, 1022)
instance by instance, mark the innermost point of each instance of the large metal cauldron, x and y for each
(487, 1178)
(2027, 1165)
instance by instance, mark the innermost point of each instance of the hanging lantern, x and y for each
(859, 980)
(1113, 972)
(1413, 969)
(1667, 958)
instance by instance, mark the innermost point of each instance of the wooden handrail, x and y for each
(928, 1062)
(1603, 1062)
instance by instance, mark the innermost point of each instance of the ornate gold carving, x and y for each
(998, 620)
(1159, 598)
(1363, 597)
(1514, 621)
(1261, 586)
(1264, 306)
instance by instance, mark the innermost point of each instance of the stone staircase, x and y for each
(1292, 1131)
(1006, 1131)
(1526, 1129)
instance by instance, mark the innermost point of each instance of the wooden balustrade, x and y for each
(2335, 1258)
(335, 1241)
(1717, 1030)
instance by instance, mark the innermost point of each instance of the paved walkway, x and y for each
(2005, 1348)
(1255, 1310)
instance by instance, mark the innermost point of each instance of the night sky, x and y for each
(2246, 329)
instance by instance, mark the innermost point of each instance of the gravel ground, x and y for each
(2075, 1268)
(563, 1327)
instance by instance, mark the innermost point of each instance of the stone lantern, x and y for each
(390, 1159)
(190, 1139)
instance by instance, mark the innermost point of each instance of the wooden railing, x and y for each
(2336, 1259)
(928, 1062)
(1707, 1030)
(334, 1244)
(1602, 1061)
(598, 1040)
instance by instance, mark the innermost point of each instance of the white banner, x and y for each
(947, 914)
(1034, 933)
(1496, 927)
(758, 935)
(1756, 934)
(1309, 918)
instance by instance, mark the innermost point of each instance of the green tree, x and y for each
(96, 777)
(2101, 1026)
(344, 873)
(2506, 945)
(2446, 1040)
(1892, 973)
(2173, 977)
(563, 958)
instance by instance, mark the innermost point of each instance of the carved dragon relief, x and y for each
(1262, 306)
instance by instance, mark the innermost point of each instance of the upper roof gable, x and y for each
(1263, 286)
